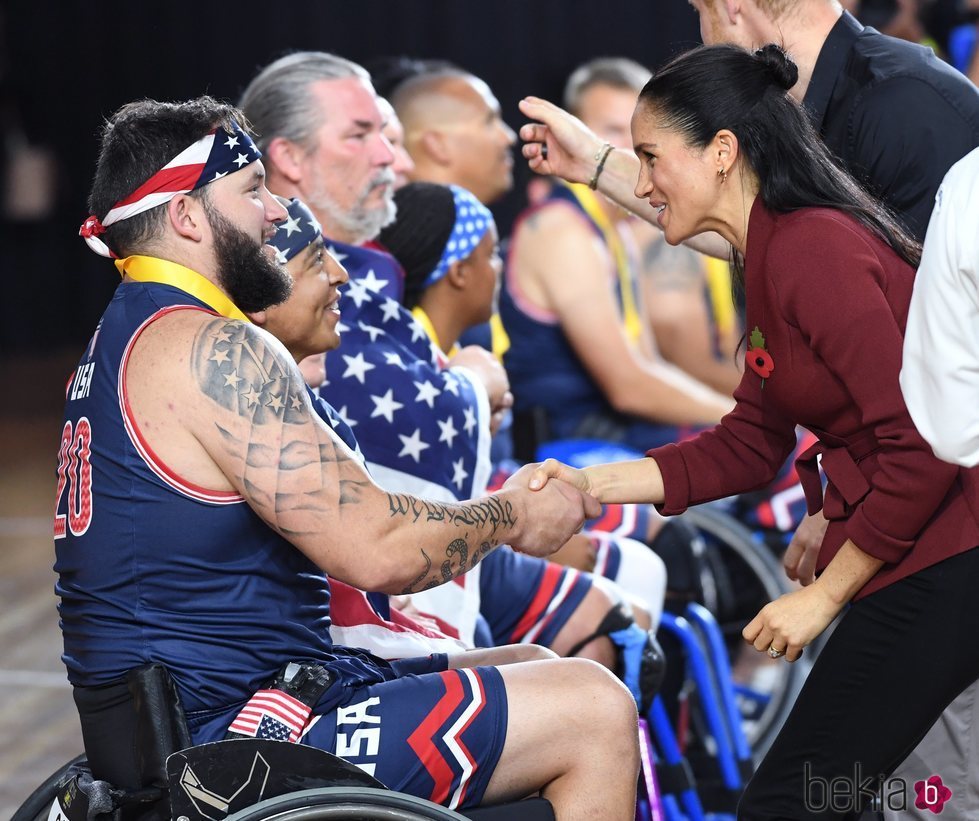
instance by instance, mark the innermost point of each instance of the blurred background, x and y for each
(65, 67)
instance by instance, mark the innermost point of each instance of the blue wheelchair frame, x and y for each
(709, 669)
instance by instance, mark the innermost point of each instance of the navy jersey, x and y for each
(155, 569)
(545, 371)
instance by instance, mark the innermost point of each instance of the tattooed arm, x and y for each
(231, 407)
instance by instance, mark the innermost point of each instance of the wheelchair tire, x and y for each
(38, 803)
(346, 803)
(759, 578)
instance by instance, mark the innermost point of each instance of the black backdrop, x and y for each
(66, 65)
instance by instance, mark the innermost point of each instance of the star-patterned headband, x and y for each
(296, 233)
(210, 158)
(473, 220)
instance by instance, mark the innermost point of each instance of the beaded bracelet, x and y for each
(601, 155)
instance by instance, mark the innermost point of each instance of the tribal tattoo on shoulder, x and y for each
(236, 367)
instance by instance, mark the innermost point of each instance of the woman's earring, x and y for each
(722, 173)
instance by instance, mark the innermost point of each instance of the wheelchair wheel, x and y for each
(38, 803)
(346, 803)
(747, 577)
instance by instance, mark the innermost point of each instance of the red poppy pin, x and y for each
(757, 358)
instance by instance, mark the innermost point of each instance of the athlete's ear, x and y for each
(458, 274)
(286, 158)
(187, 218)
(258, 317)
(732, 8)
(436, 146)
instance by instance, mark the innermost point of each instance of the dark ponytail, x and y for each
(725, 87)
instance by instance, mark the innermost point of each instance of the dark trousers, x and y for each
(894, 662)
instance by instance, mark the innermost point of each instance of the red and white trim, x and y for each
(570, 576)
(422, 740)
(453, 738)
(169, 476)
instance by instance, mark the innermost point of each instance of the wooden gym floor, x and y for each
(38, 724)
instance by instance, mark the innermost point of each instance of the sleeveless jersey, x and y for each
(544, 370)
(155, 569)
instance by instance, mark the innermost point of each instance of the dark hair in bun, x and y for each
(711, 88)
(783, 71)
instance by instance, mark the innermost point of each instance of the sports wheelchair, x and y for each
(138, 745)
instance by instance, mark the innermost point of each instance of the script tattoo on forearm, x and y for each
(460, 555)
(491, 511)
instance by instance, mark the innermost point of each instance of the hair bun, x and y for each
(783, 71)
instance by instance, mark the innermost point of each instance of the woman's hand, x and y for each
(791, 622)
(800, 556)
(536, 475)
(557, 142)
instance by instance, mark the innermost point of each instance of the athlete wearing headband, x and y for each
(213, 156)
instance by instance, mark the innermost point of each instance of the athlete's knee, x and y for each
(596, 691)
(640, 615)
(516, 653)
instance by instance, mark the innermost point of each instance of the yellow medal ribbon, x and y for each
(153, 269)
(721, 295)
(423, 319)
(589, 202)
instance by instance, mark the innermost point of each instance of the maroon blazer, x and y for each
(831, 302)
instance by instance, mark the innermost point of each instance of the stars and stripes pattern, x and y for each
(272, 714)
(438, 739)
(423, 428)
(296, 232)
(213, 156)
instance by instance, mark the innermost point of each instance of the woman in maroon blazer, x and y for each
(827, 275)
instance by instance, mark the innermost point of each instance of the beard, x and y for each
(358, 223)
(251, 278)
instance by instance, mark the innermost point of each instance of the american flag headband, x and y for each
(213, 156)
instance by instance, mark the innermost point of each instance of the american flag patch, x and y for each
(272, 714)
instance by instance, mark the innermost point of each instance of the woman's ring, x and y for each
(775, 654)
(543, 151)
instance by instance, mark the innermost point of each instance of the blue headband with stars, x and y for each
(296, 233)
(473, 220)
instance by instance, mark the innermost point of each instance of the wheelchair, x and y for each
(741, 575)
(141, 766)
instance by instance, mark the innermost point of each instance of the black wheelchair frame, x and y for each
(140, 743)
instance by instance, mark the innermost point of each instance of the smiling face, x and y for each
(679, 180)
(241, 215)
(243, 200)
(306, 323)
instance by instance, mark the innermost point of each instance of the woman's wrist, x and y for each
(850, 569)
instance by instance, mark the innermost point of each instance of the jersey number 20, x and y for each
(75, 472)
